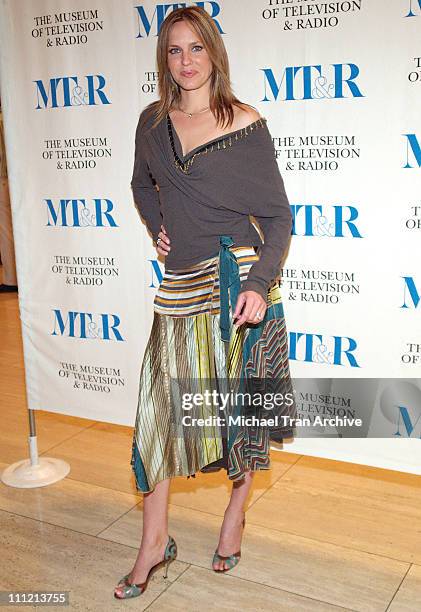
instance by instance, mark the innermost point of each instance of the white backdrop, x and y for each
(339, 83)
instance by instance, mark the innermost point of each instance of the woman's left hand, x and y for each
(251, 303)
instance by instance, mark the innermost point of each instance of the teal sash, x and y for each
(229, 282)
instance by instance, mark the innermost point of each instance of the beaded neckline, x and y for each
(223, 142)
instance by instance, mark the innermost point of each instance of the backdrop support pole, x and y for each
(35, 471)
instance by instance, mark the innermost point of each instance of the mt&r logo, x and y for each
(321, 349)
(151, 22)
(65, 91)
(316, 220)
(86, 325)
(312, 82)
(76, 212)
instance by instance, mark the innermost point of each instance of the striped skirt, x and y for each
(187, 361)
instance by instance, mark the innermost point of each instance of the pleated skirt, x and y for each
(186, 356)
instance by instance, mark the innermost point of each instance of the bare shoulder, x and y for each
(244, 114)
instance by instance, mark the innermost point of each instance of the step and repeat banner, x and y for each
(340, 85)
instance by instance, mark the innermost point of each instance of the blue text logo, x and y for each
(405, 419)
(156, 273)
(65, 91)
(318, 220)
(311, 83)
(86, 326)
(413, 151)
(77, 213)
(316, 348)
(150, 23)
(411, 296)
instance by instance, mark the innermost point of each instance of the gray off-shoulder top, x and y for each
(210, 192)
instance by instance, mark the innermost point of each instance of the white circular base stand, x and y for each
(25, 475)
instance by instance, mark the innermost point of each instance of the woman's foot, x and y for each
(229, 538)
(149, 554)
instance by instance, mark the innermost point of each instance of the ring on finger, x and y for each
(258, 315)
(158, 240)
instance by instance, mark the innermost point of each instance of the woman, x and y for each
(204, 163)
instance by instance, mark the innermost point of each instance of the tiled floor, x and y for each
(320, 535)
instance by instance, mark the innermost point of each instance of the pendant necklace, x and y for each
(190, 115)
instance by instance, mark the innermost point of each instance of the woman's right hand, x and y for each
(163, 246)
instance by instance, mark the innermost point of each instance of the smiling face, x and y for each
(188, 60)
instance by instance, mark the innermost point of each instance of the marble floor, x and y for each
(321, 535)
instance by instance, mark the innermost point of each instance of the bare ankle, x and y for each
(154, 540)
(234, 510)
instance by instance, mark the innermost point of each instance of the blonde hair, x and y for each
(222, 98)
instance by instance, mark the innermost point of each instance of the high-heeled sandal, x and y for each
(134, 590)
(230, 560)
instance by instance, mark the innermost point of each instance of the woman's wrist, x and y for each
(253, 285)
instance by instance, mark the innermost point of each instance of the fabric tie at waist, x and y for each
(229, 281)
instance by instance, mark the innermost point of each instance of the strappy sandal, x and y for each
(230, 560)
(134, 590)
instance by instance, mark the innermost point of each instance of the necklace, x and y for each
(191, 114)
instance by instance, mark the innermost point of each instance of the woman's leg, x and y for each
(154, 533)
(231, 530)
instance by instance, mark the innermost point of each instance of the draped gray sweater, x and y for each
(212, 191)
